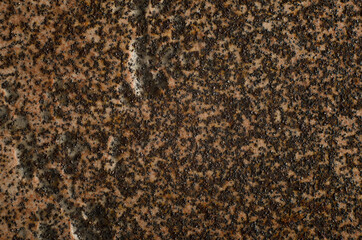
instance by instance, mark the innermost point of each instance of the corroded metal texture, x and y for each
(180, 119)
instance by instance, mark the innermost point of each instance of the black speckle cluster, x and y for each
(180, 119)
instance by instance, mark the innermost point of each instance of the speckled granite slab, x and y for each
(179, 119)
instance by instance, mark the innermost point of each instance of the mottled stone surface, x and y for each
(179, 119)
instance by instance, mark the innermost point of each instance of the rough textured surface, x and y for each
(180, 119)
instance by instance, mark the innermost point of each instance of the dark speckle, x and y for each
(149, 119)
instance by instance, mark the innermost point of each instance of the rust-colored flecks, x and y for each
(180, 119)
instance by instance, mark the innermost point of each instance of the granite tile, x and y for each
(180, 119)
